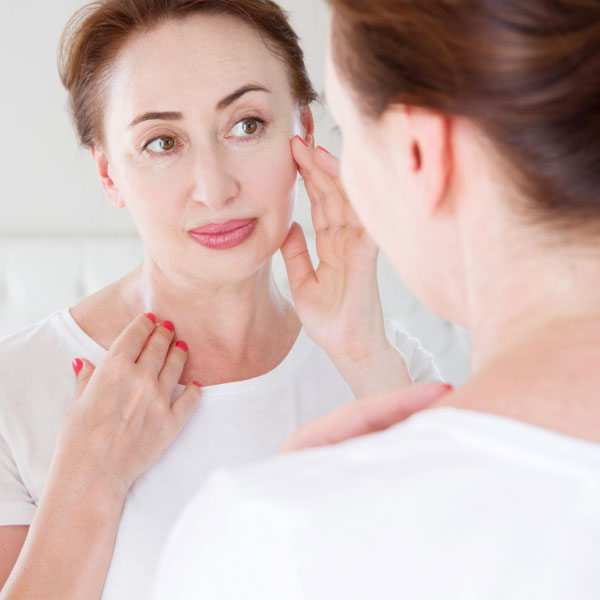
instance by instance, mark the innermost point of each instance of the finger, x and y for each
(323, 174)
(84, 369)
(171, 372)
(331, 165)
(316, 206)
(296, 258)
(327, 162)
(185, 404)
(301, 152)
(303, 157)
(365, 416)
(133, 338)
(154, 353)
(325, 197)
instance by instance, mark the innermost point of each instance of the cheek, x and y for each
(269, 179)
(145, 191)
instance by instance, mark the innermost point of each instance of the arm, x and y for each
(68, 547)
(12, 538)
(118, 424)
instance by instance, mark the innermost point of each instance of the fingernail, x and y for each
(152, 317)
(168, 325)
(77, 366)
(197, 384)
(302, 141)
(321, 148)
(182, 345)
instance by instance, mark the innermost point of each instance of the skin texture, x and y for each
(430, 189)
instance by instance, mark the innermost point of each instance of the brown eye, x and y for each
(247, 128)
(250, 126)
(166, 143)
(162, 144)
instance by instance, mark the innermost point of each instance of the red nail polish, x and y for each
(77, 366)
(321, 148)
(182, 345)
(302, 141)
(168, 325)
(197, 384)
(152, 317)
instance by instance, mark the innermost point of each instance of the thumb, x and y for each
(83, 369)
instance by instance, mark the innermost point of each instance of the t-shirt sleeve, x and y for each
(227, 547)
(420, 363)
(17, 507)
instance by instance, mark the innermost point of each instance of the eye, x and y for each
(246, 127)
(161, 144)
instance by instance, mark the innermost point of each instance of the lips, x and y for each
(221, 236)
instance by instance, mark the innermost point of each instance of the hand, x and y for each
(339, 303)
(121, 419)
(365, 416)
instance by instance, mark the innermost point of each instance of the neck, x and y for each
(234, 330)
(521, 295)
(534, 317)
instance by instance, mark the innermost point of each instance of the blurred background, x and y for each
(60, 240)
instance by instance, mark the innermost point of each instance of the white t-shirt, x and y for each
(234, 424)
(450, 505)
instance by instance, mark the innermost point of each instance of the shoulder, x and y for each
(441, 491)
(35, 363)
(34, 338)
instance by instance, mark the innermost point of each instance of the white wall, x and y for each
(51, 198)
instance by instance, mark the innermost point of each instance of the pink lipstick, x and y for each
(221, 236)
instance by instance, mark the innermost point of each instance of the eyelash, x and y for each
(261, 122)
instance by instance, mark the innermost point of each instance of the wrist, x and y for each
(375, 371)
(74, 488)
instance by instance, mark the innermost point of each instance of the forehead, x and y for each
(195, 60)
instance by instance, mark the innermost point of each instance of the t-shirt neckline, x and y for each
(283, 371)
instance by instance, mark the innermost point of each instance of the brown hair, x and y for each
(527, 72)
(95, 34)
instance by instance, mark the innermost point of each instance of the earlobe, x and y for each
(106, 179)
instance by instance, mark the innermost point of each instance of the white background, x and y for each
(51, 197)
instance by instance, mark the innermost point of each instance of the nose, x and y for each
(214, 183)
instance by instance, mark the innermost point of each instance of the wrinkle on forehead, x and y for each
(213, 54)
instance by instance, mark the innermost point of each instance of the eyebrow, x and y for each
(155, 116)
(176, 116)
(239, 93)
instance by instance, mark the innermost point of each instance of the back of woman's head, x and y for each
(527, 72)
(96, 33)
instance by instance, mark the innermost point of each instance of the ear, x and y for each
(308, 125)
(431, 154)
(108, 183)
(417, 142)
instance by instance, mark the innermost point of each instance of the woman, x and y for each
(471, 153)
(188, 108)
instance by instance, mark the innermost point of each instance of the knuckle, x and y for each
(146, 382)
(119, 366)
(156, 412)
